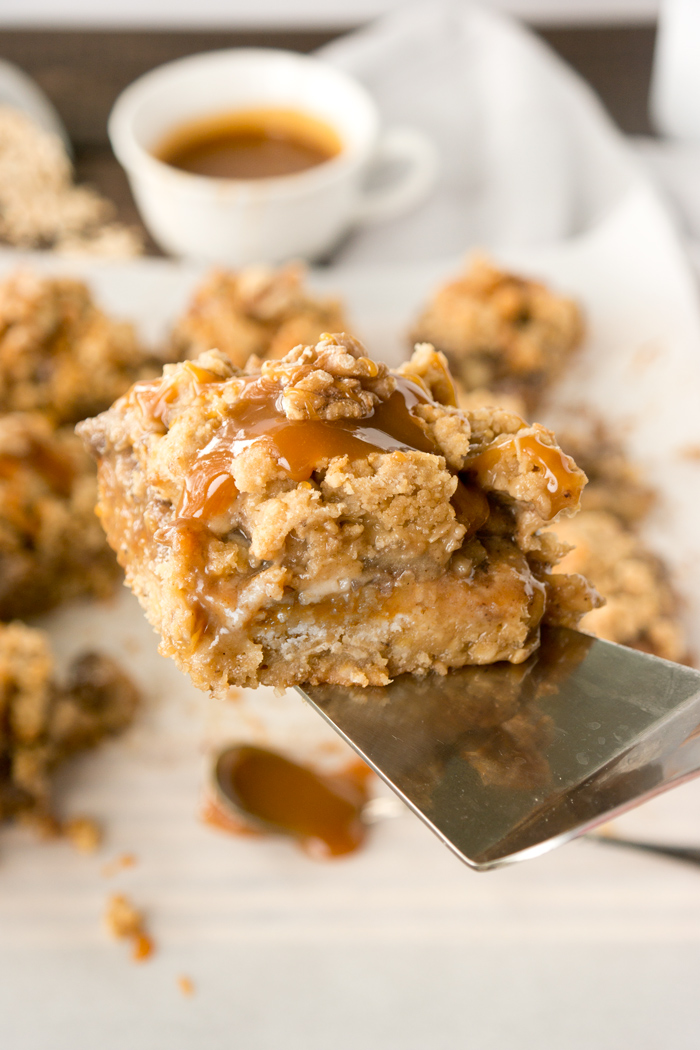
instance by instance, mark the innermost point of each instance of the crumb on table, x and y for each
(186, 985)
(117, 864)
(691, 453)
(127, 923)
(84, 833)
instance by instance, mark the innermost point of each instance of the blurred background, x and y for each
(84, 54)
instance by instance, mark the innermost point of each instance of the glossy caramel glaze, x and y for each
(300, 446)
(563, 483)
(471, 507)
(323, 813)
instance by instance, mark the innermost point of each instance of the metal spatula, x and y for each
(506, 762)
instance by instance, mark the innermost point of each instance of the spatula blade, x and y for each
(508, 761)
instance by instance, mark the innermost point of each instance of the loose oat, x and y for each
(113, 867)
(186, 985)
(84, 833)
(40, 207)
(127, 923)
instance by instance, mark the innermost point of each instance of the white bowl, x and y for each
(238, 221)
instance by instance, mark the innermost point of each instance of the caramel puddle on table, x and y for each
(323, 813)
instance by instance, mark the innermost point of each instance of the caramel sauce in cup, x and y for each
(255, 143)
(251, 155)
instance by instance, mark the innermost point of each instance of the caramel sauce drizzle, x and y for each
(471, 507)
(154, 396)
(563, 484)
(300, 446)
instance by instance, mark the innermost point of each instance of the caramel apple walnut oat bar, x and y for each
(59, 353)
(44, 722)
(323, 519)
(258, 310)
(52, 546)
(501, 332)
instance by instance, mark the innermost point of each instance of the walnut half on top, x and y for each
(323, 519)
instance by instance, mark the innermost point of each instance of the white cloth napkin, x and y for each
(528, 154)
(674, 167)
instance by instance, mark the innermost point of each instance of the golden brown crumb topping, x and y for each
(59, 353)
(39, 205)
(500, 331)
(257, 310)
(323, 518)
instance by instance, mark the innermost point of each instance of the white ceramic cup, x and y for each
(239, 221)
(675, 84)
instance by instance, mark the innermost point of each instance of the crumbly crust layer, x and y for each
(326, 520)
(258, 310)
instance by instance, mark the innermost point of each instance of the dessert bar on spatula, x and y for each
(320, 520)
